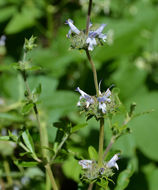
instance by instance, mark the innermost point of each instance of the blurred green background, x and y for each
(129, 60)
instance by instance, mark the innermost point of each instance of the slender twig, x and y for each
(10, 107)
(7, 171)
(59, 147)
(94, 72)
(109, 147)
(88, 16)
(50, 173)
(101, 142)
(42, 130)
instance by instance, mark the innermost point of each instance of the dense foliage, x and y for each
(129, 60)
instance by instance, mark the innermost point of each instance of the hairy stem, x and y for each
(59, 147)
(43, 135)
(109, 146)
(101, 142)
(50, 173)
(88, 16)
(90, 187)
(94, 72)
(7, 171)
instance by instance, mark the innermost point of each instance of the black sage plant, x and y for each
(98, 169)
(103, 105)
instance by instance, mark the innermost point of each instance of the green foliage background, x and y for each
(129, 60)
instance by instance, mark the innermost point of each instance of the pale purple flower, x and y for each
(2, 40)
(88, 98)
(103, 99)
(92, 42)
(95, 34)
(92, 35)
(86, 164)
(112, 163)
(73, 28)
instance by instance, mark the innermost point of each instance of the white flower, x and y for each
(92, 42)
(86, 164)
(88, 98)
(2, 40)
(73, 28)
(102, 107)
(112, 163)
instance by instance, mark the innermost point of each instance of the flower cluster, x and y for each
(92, 171)
(97, 106)
(82, 41)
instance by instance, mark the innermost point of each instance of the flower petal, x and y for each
(103, 37)
(92, 42)
(88, 98)
(100, 29)
(108, 93)
(86, 164)
(102, 106)
(72, 26)
(83, 94)
(112, 162)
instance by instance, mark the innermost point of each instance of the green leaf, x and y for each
(144, 128)
(34, 172)
(28, 141)
(12, 117)
(27, 108)
(78, 127)
(72, 174)
(151, 175)
(4, 138)
(25, 164)
(33, 68)
(124, 178)
(103, 183)
(92, 153)
(37, 90)
(7, 12)
(13, 137)
(22, 20)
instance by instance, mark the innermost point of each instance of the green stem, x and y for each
(101, 142)
(50, 173)
(90, 187)
(7, 171)
(94, 72)
(48, 182)
(59, 147)
(43, 134)
(88, 16)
